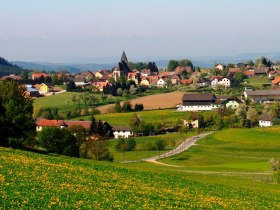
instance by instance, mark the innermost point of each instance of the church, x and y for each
(122, 69)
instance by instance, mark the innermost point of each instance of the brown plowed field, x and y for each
(166, 100)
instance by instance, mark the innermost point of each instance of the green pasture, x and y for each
(63, 101)
(232, 150)
(165, 116)
(140, 152)
(31, 181)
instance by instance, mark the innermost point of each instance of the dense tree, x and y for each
(18, 127)
(70, 86)
(126, 107)
(172, 65)
(262, 61)
(98, 149)
(138, 107)
(60, 141)
(185, 62)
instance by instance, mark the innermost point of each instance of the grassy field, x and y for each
(244, 150)
(63, 101)
(167, 116)
(140, 152)
(257, 81)
(32, 181)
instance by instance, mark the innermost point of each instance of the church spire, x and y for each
(124, 58)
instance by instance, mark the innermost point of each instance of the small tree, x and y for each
(138, 107)
(134, 123)
(160, 145)
(99, 149)
(126, 106)
(118, 107)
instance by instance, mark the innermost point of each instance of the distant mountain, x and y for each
(204, 62)
(73, 68)
(7, 68)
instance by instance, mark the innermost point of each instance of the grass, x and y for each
(140, 152)
(258, 81)
(167, 116)
(63, 101)
(245, 150)
(31, 181)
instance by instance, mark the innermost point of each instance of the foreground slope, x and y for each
(29, 180)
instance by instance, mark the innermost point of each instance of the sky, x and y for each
(98, 31)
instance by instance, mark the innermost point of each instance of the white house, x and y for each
(265, 121)
(160, 83)
(225, 82)
(220, 66)
(122, 132)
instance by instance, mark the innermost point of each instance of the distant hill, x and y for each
(7, 68)
(204, 62)
(73, 68)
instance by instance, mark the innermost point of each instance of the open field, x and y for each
(244, 150)
(167, 116)
(258, 81)
(30, 180)
(158, 101)
(140, 152)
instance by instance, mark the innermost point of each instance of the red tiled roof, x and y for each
(186, 81)
(58, 123)
(215, 77)
(234, 70)
(180, 69)
(276, 81)
(38, 75)
(249, 73)
(152, 79)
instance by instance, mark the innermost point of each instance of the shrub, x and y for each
(138, 107)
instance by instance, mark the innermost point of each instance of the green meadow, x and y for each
(244, 150)
(31, 181)
(165, 116)
(140, 152)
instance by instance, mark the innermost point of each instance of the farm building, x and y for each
(265, 120)
(262, 96)
(204, 102)
(122, 132)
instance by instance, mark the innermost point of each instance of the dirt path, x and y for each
(181, 148)
(158, 101)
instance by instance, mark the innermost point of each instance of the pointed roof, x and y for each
(124, 58)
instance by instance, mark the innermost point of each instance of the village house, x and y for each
(42, 88)
(122, 132)
(186, 81)
(265, 120)
(88, 75)
(38, 75)
(261, 71)
(161, 82)
(203, 82)
(144, 82)
(220, 81)
(220, 66)
(41, 123)
(276, 81)
(80, 81)
(206, 102)
(178, 70)
(32, 92)
(249, 73)
(99, 85)
(145, 72)
(262, 96)
(134, 76)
